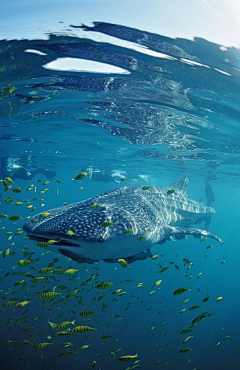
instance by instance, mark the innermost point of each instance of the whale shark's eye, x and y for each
(100, 240)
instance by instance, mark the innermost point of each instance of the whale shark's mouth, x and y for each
(60, 242)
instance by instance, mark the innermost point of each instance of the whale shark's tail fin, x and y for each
(210, 203)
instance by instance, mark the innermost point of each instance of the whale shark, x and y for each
(123, 223)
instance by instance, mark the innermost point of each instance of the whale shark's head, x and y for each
(75, 224)
(82, 230)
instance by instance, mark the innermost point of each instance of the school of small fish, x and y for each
(47, 298)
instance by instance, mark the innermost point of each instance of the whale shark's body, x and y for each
(137, 219)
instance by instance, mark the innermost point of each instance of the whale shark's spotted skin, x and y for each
(151, 213)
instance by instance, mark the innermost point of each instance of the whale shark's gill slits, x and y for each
(58, 240)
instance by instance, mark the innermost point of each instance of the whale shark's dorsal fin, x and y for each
(181, 184)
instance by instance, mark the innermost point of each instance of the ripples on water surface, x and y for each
(161, 108)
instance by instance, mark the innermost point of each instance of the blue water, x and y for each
(170, 113)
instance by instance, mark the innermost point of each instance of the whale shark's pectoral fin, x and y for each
(180, 236)
(170, 231)
(74, 256)
(166, 239)
(139, 257)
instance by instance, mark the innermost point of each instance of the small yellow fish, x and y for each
(185, 331)
(141, 238)
(91, 278)
(44, 214)
(49, 295)
(5, 185)
(194, 307)
(19, 283)
(164, 269)
(206, 299)
(63, 324)
(14, 218)
(9, 303)
(186, 260)
(104, 285)
(107, 224)
(23, 263)
(17, 190)
(127, 358)
(146, 187)
(71, 233)
(9, 180)
(198, 318)
(67, 353)
(227, 336)
(128, 232)
(22, 304)
(70, 272)
(185, 350)
(42, 345)
(51, 241)
(3, 215)
(123, 263)
(184, 309)
(209, 246)
(82, 329)
(63, 333)
(80, 176)
(53, 325)
(219, 299)
(87, 313)
(156, 284)
(6, 252)
(38, 278)
(95, 206)
(69, 295)
(45, 270)
(42, 245)
(180, 291)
